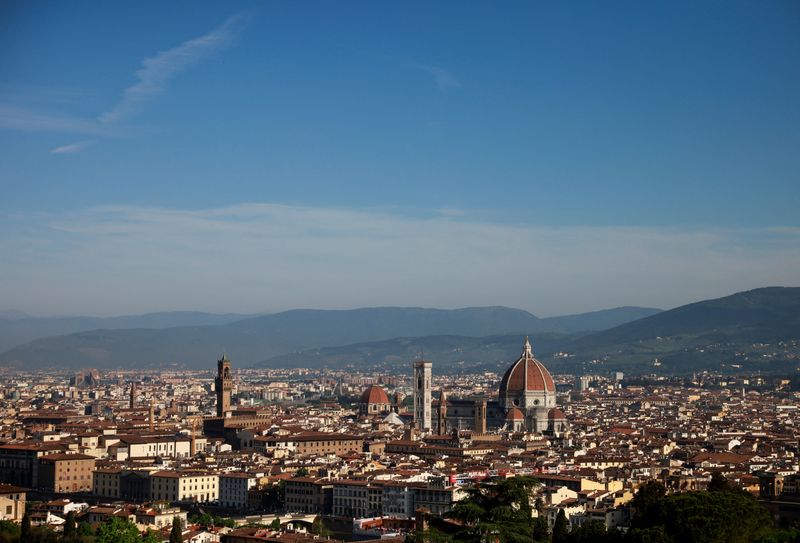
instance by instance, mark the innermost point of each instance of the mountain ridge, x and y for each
(23, 328)
(258, 338)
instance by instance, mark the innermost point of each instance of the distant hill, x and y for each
(13, 314)
(597, 320)
(759, 329)
(252, 340)
(17, 328)
(450, 354)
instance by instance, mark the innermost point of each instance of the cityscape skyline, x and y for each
(322, 272)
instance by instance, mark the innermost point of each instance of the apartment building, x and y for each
(61, 472)
(309, 495)
(233, 488)
(176, 486)
(12, 503)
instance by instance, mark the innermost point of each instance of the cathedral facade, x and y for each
(526, 401)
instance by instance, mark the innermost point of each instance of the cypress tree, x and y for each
(560, 529)
(25, 530)
(175, 536)
(70, 528)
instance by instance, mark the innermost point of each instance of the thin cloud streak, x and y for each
(25, 120)
(72, 147)
(156, 71)
(267, 257)
(152, 79)
(443, 79)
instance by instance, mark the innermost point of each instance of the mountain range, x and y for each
(758, 330)
(17, 328)
(252, 340)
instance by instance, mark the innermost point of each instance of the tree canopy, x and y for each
(499, 511)
(117, 530)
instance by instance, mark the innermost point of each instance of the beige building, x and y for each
(316, 443)
(12, 503)
(192, 486)
(150, 447)
(159, 517)
(63, 472)
(105, 482)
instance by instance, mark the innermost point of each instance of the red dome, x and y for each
(515, 414)
(527, 374)
(374, 394)
(556, 414)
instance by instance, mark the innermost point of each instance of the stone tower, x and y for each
(223, 385)
(442, 426)
(422, 395)
(132, 399)
(479, 426)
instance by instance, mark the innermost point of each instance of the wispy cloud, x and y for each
(72, 147)
(256, 257)
(25, 120)
(156, 71)
(151, 80)
(443, 79)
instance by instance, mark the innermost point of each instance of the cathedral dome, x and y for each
(374, 395)
(556, 414)
(515, 414)
(526, 375)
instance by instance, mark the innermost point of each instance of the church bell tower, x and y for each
(223, 385)
(422, 395)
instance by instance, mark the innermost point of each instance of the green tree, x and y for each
(560, 528)
(41, 534)
(319, 528)
(9, 531)
(431, 535)
(275, 525)
(301, 472)
(497, 511)
(782, 536)
(203, 520)
(594, 531)
(176, 534)
(25, 528)
(655, 534)
(152, 536)
(648, 497)
(541, 532)
(708, 517)
(117, 530)
(70, 528)
(85, 530)
(720, 483)
(273, 497)
(224, 521)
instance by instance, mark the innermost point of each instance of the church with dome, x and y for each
(526, 401)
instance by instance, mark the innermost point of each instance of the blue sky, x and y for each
(552, 135)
